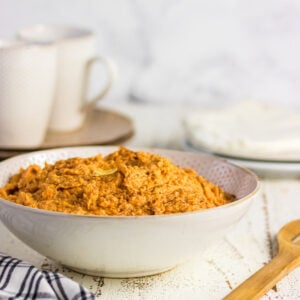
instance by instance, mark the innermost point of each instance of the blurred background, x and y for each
(177, 52)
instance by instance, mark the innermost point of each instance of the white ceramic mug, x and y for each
(76, 55)
(27, 86)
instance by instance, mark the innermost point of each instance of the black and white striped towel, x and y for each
(21, 280)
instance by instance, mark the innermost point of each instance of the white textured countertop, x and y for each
(247, 248)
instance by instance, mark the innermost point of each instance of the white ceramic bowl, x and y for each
(127, 246)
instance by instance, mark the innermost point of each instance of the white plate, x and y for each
(263, 168)
(249, 130)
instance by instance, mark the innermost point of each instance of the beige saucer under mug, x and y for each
(27, 86)
(75, 58)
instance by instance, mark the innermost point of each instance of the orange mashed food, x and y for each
(123, 183)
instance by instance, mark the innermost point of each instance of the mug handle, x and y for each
(110, 70)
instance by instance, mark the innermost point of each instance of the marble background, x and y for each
(197, 52)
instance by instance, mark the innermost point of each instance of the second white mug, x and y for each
(75, 57)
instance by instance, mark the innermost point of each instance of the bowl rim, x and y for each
(97, 217)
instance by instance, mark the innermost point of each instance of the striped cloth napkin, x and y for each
(21, 280)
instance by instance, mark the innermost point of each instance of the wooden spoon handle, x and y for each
(264, 279)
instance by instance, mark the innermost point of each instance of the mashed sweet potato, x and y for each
(124, 183)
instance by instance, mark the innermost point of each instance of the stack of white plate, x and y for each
(263, 137)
